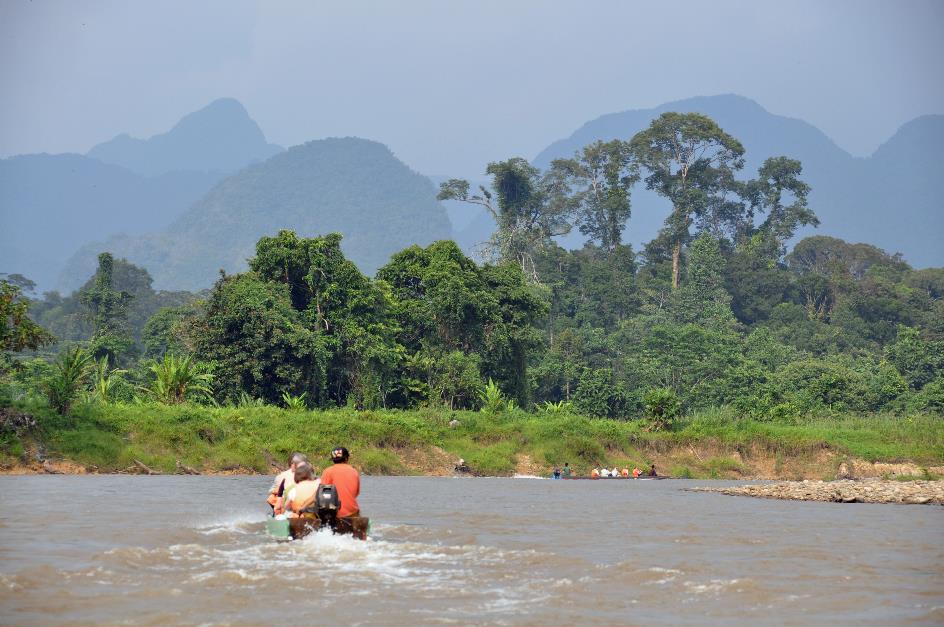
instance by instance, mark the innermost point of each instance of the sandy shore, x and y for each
(843, 491)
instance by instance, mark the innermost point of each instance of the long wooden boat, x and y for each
(296, 528)
(642, 478)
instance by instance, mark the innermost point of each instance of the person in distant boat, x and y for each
(595, 473)
(636, 473)
(346, 481)
(302, 495)
(461, 466)
(624, 473)
(566, 472)
(557, 473)
(604, 472)
(283, 483)
(614, 472)
(652, 471)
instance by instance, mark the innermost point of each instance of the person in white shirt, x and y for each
(284, 482)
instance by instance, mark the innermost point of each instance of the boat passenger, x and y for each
(346, 480)
(566, 472)
(557, 473)
(636, 473)
(595, 473)
(615, 472)
(303, 493)
(652, 471)
(604, 473)
(624, 473)
(284, 482)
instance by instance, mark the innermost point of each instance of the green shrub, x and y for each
(598, 395)
(295, 403)
(814, 384)
(662, 405)
(70, 373)
(557, 409)
(491, 399)
(177, 379)
(930, 398)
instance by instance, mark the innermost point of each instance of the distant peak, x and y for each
(726, 98)
(931, 120)
(729, 101)
(221, 136)
(219, 106)
(922, 134)
(226, 102)
(228, 111)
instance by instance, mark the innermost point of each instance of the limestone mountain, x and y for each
(52, 204)
(349, 185)
(220, 137)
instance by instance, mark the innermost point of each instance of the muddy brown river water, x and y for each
(192, 550)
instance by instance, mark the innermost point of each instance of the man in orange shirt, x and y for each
(346, 481)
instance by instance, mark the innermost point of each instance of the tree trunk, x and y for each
(676, 256)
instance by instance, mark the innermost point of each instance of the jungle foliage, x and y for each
(715, 311)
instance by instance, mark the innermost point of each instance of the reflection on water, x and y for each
(503, 551)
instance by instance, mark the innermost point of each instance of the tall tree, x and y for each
(108, 312)
(529, 209)
(690, 161)
(600, 178)
(703, 299)
(777, 183)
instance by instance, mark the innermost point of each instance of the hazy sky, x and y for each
(450, 85)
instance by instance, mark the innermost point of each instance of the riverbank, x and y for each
(187, 439)
(843, 491)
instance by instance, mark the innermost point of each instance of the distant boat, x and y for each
(640, 478)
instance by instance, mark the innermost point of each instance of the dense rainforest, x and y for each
(717, 311)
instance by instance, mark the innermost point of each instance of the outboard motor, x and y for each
(328, 504)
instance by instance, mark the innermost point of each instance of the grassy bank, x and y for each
(109, 438)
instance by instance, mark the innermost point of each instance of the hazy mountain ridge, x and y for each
(220, 137)
(51, 204)
(354, 186)
(888, 199)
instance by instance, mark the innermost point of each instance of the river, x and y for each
(192, 550)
